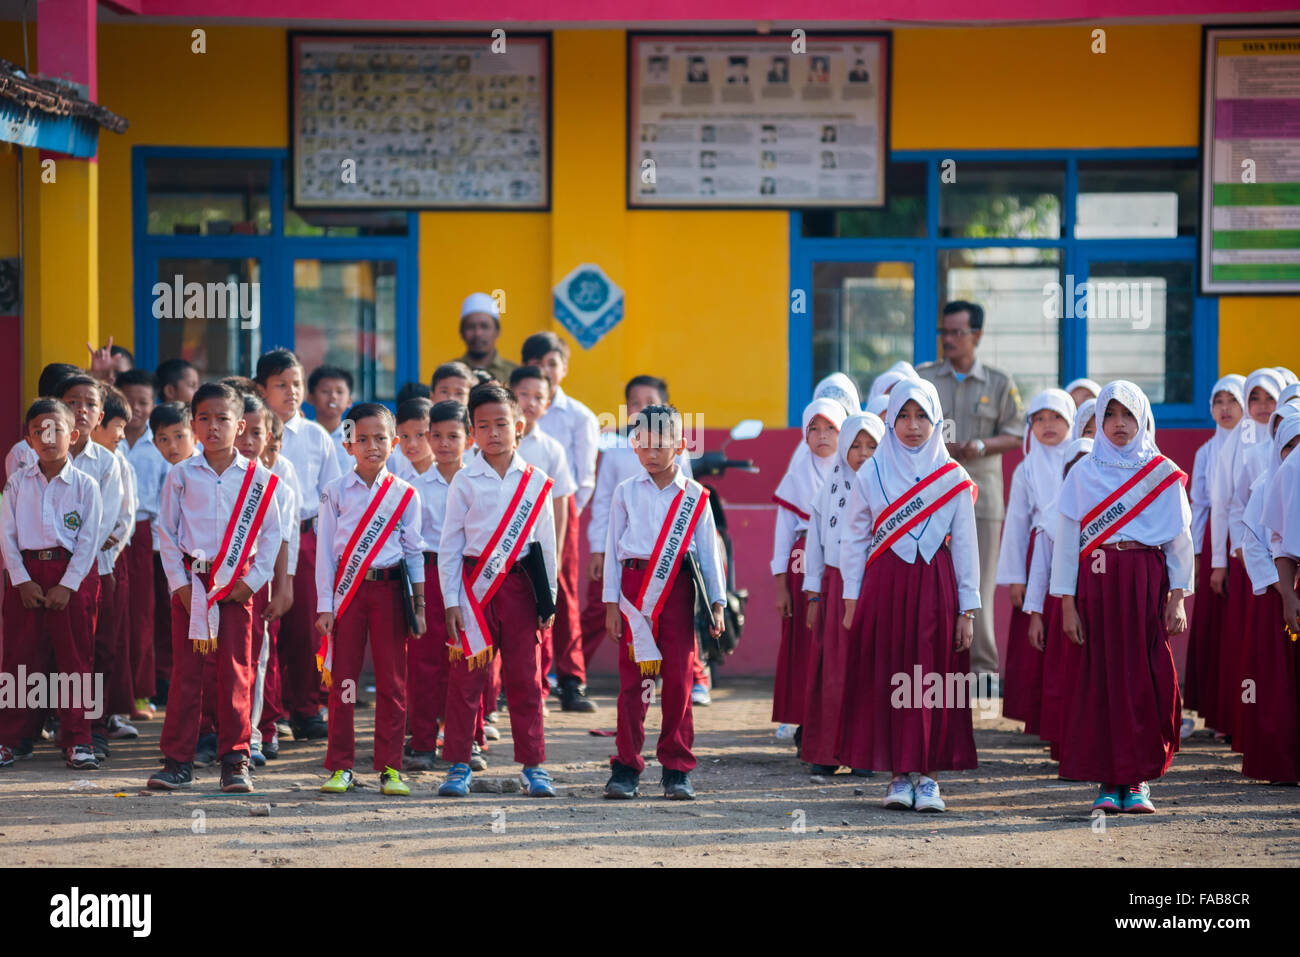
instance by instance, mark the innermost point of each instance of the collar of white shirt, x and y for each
(679, 478)
(561, 400)
(295, 424)
(240, 463)
(479, 466)
(353, 477)
(64, 473)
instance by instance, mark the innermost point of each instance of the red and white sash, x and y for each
(388, 501)
(503, 548)
(1126, 503)
(255, 495)
(916, 505)
(642, 616)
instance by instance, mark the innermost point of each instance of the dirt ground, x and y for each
(756, 805)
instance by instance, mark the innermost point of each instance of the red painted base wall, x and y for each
(751, 517)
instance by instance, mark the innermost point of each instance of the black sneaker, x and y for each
(798, 742)
(271, 748)
(622, 783)
(159, 700)
(25, 751)
(82, 758)
(99, 744)
(823, 770)
(309, 729)
(174, 774)
(234, 774)
(419, 760)
(677, 785)
(206, 752)
(573, 698)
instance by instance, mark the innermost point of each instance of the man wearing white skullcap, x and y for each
(480, 325)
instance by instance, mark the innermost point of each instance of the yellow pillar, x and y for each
(60, 262)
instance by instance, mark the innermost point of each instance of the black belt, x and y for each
(636, 564)
(391, 573)
(431, 556)
(516, 567)
(307, 525)
(46, 555)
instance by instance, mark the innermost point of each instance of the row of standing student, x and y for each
(216, 688)
(1098, 609)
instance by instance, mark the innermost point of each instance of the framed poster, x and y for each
(420, 121)
(728, 121)
(1250, 155)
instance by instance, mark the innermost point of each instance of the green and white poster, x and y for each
(1250, 146)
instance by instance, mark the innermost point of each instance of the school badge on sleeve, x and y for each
(72, 520)
(588, 304)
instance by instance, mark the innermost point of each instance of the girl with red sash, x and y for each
(824, 587)
(1122, 563)
(1227, 405)
(910, 565)
(1044, 611)
(811, 463)
(1034, 486)
(1269, 720)
(1228, 579)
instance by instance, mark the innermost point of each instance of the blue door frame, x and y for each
(1075, 256)
(276, 253)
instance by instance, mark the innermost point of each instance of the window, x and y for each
(1137, 199)
(208, 197)
(1002, 201)
(903, 214)
(862, 318)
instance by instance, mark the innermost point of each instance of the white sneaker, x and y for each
(700, 696)
(1188, 726)
(927, 795)
(901, 795)
(785, 732)
(491, 733)
(119, 728)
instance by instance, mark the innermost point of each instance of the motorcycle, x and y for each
(714, 651)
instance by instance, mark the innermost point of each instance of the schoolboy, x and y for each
(329, 389)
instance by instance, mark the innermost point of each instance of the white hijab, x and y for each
(1281, 504)
(842, 389)
(1232, 454)
(807, 472)
(1230, 384)
(1042, 464)
(890, 378)
(1110, 466)
(1081, 416)
(1071, 450)
(1288, 377)
(833, 496)
(878, 406)
(1090, 384)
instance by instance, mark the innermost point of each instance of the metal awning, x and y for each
(50, 114)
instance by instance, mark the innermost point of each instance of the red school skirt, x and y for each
(1022, 689)
(1058, 670)
(906, 631)
(792, 659)
(1269, 726)
(824, 700)
(1232, 628)
(1200, 688)
(1123, 711)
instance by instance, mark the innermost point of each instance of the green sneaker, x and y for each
(391, 783)
(1107, 800)
(339, 783)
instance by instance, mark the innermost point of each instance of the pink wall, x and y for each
(751, 517)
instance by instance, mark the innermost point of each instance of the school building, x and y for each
(1018, 153)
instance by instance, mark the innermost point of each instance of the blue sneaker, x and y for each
(1137, 799)
(1107, 801)
(457, 783)
(257, 757)
(536, 783)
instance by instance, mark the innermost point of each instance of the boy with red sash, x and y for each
(910, 563)
(498, 508)
(219, 535)
(1122, 563)
(657, 519)
(371, 548)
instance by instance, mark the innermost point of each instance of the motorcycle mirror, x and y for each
(747, 429)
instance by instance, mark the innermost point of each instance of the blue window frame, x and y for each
(1077, 258)
(275, 253)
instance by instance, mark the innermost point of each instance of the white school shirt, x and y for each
(344, 503)
(288, 495)
(577, 430)
(817, 557)
(789, 525)
(1040, 572)
(149, 467)
(1199, 497)
(194, 511)
(476, 502)
(21, 455)
(101, 465)
(346, 462)
(311, 450)
(1180, 557)
(1225, 533)
(636, 517)
(432, 489)
(1254, 463)
(617, 464)
(1256, 544)
(125, 529)
(1016, 527)
(956, 517)
(541, 451)
(63, 512)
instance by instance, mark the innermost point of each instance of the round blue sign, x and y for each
(588, 291)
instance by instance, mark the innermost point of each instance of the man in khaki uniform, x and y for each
(480, 325)
(987, 419)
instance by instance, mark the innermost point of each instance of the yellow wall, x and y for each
(707, 292)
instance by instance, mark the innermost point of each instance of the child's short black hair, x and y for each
(653, 381)
(452, 370)
(328, 372)
(67, 383)
(52, 375)
(274, 424)
(240, 383)
(449, 410)
(492, 392)
(167, 414)
(371, 410)
(46, 406)
(134, 377)
(115, 404)
(252, 403)
(275, 362)
(664, 419)
(540, 344)
(122, 351)
(528, 372)
(413, 390)
(482, 377)
(218, 390)
(170, 372)
(416, 408)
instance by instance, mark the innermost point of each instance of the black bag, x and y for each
(407, 598)
(535, 566)
(712, 649)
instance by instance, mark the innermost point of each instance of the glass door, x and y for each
(209, 312)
